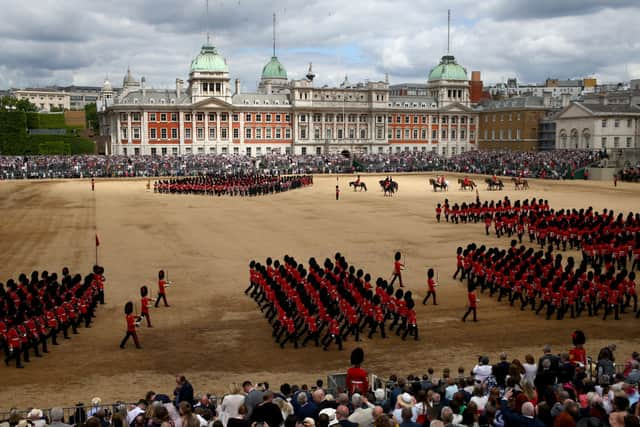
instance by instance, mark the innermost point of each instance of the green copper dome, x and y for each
(448, 69)
(274, 70)
(209, 60)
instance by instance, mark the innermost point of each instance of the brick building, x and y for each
(511, 124)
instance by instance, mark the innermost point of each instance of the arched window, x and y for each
(563, 139)
(586, 138)
(574, 138)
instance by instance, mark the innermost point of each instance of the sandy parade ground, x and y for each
(212, 332)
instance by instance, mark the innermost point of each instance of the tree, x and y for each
(91, 114)
(12, 103)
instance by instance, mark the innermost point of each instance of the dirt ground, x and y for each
(212, 332)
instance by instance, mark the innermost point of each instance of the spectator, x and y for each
(342, 415)
(362, 411)
(530, 369)
(305, 409)
(513, 419)
(187, 417)
(407, 415)
(405, 400)
(57, 417)
(267, 411)
(253, 397)
(620, 407)
(482, 370)
(239, 419)
(140, 408)
(501, 369)
(183, 391)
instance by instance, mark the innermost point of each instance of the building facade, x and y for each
(286, 116)
(511, 124)
(45, 99)
(598, 127)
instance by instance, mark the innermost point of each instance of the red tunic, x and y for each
(357, 380)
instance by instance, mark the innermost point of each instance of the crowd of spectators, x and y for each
(552, 392)
(557, 164)
(630, 174)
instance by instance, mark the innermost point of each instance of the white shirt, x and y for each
(132, 414)
(530, 371)
(481, 372)
(229, 407)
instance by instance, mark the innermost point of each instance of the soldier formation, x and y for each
(232, 185)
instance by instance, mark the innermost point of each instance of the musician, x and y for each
(132, 322)
(397, 269)
(358, 180)
(162, 284)
(431, 283)
(145, 303)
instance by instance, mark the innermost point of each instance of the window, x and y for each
(604, 141)
(234, 117)
(509, 134)
(136, 117)
(493, 134)
(629, 122)
(462, 134)
(247, 133)
(236, 133)
(454, 119)
(423, 134)
(616, 123)
(501, 134)
(267, 133)
(152, 133)
(328, 118)
(187, 117)
(268, 117)
(510, 117)
(287, 133)
(200, 133)
(398, 118)
(434, 119)
(187, 133)
(472, 137)
(389, 119)
(247, 117)
(174, 117)
(363, 134)
(225, 150)
(212, 150)
(278, 117)
(471, 120)
(278, 133)
(379, 133)
(164, 151)
(258, 117)
(199, 117)
(316, 132)
(304, 151)
(628, 142)
(317, 118)
(287, 118)
(303, 132)
(212, 117)
(153, 151)
(444, 134)
(379, 119)
(453, 134)
(616, 142)
(398, 134)
(434, 135)
(415, 134)
(444, 119)
(258, 133)
(212, 133)
(200, 150)
(463, 120)
(174, 133)
(152, 117)
(415, 120)
(518, 134)
(303, 118)
(163, 117)
(174, 150)
(224, 133)
(136, 133)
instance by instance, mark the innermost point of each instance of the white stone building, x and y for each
(598, 127)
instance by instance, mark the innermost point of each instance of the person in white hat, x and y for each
(405, 400)
(36, 417)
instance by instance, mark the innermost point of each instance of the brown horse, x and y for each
(469, 186)
(436, 185)
(494, 185)
(520, 183)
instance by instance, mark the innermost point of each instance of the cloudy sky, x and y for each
(46, 42)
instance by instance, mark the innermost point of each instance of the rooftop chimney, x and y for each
(142, 85)
(237, 87)
(179, 83)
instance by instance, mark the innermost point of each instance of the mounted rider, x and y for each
(441, 181)
(466, 182)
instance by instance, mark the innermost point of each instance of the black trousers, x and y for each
(134, 335)
(162, 297)
(469, 311)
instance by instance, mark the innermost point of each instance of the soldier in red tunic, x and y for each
(145, 303)
(132, 322)
(472, 305)
(15, 346)
(357, 381)
(162, 284)
(431, 283)
(397, 269)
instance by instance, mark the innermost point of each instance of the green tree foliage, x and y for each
(11, 103)
(91, 113)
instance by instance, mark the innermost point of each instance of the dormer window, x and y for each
(276, 102)
(152, 101)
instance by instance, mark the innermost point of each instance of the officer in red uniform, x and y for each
(472, 305)
(145, 303)
(161, 289)
(333, 334)
(131, 325)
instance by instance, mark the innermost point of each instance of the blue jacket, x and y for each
(513, 419)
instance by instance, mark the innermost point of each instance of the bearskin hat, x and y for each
(578, 337)
(357, 356)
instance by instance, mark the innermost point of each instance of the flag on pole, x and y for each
(97, 240)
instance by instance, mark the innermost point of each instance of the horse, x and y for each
(356, 185)
(470, 186)
(494, 185)
(436, 185)
(520, 183)
(389, 189)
